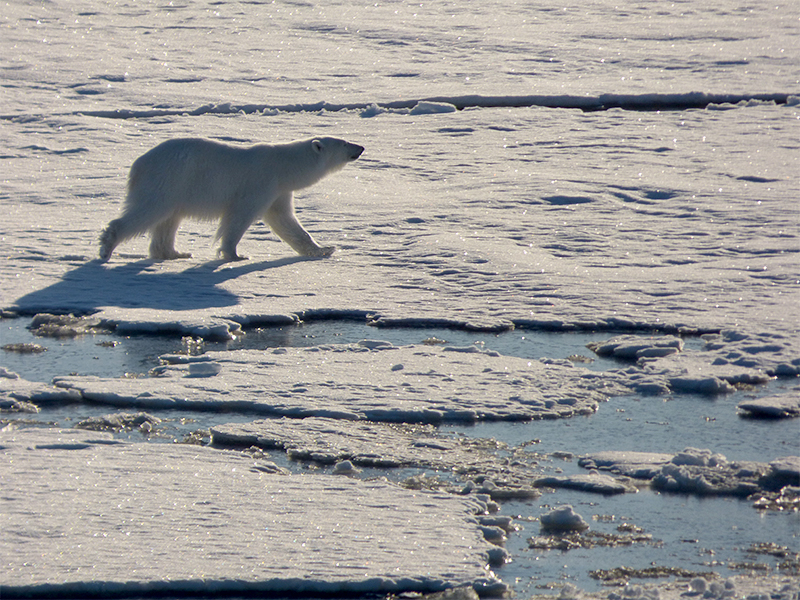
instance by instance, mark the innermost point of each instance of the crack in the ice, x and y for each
(602, 102)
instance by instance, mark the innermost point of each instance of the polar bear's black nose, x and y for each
(357, 150)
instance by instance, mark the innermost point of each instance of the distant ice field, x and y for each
(85, 56)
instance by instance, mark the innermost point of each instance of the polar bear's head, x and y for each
(335, 153)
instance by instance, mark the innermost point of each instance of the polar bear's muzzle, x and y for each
(355, 151)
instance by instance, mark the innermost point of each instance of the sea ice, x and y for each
(777, 407)
(120, 421)
(563, 518)
(632, 347)
(591, 482)
(641, 465)
(353, 382)
(699, 471)
(85, 514)
(647, 202)
(369, 444)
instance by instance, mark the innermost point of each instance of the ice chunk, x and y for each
(376, 344)
(591, 482)
(701, 385)
(699, 471)
(641, 465)
(6, 374)
(698, 458)
(120, 421)
(65, 326)
(345, 467)
(783, 471)
(204, 369)
(633, 347)
(785, 406)
(424, 107)
(563, 518)
(733, 479)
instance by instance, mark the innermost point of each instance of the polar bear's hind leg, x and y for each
(231, 229)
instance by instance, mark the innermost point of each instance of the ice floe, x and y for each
(778, 407)
(85, 514)
(632, 347)
(434, 385)
(591, 482)
(480, 465)
(727, 360)
(699, 471)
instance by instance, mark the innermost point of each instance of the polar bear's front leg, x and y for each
(281, 218)
(230, 232)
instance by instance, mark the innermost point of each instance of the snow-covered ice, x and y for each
(699, 471)
(541, 166)
(773, 406)
(589, 482)
(139, 519)
(481, 231)
(405, 384)
(563, 518)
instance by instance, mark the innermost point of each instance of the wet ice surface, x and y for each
(450, 456)
(463, 212)
(117, 355)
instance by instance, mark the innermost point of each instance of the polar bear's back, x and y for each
(195, 177)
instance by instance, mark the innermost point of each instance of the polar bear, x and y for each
(210, 180)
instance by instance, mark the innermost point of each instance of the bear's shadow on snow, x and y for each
(95, 284)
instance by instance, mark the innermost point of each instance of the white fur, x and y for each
(210, 180)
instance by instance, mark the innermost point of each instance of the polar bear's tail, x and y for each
(129, 225)
(109, 239)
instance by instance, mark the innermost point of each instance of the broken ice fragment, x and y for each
(563, 518)
(204, 369)
(345, 467)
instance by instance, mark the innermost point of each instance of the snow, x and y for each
(138, 519)
(430, 225)
(537, 166)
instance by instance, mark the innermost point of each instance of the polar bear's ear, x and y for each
(317, 146)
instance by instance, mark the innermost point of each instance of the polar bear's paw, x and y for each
(322, 251)
(170, 255)
(229, 256)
